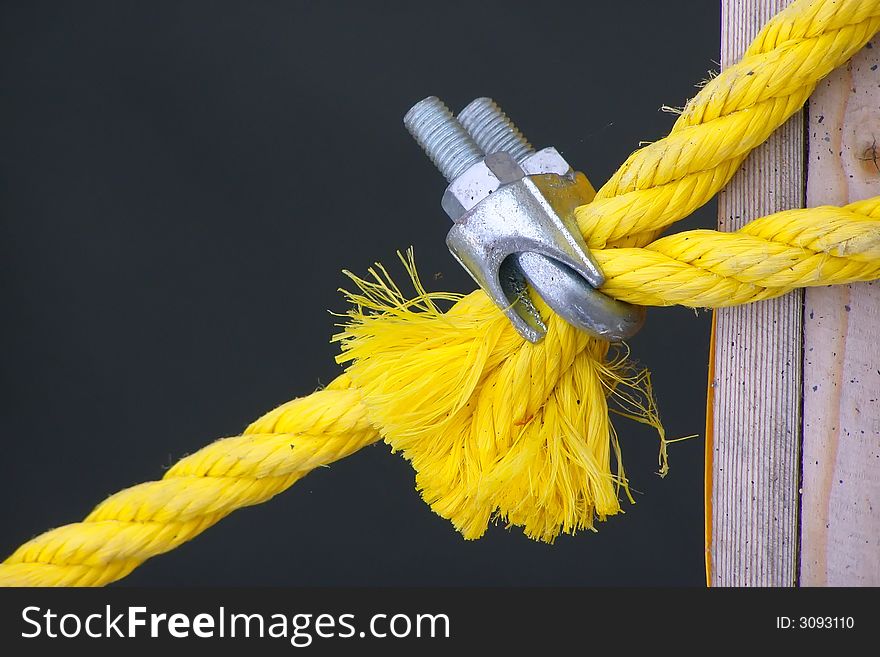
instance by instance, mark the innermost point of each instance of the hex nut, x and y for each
(546, 160)
(477, 182)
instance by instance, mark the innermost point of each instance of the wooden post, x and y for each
(756, 383)
(815, 355)
(840, 531)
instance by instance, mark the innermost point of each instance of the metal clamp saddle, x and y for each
(512, 210)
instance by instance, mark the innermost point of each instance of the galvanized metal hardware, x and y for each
(512, 209)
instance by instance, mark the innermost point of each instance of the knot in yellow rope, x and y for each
(493, 425)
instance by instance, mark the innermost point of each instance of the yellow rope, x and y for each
(766, 258)
(155, 517)
(496, 427)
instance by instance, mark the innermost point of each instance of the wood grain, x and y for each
(756, 384)
(840, 533)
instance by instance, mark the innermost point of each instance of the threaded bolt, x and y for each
(442, 137)
(493, 131)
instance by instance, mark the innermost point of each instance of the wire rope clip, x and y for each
(514, 221)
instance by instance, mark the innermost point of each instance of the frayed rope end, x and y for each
(495, 427)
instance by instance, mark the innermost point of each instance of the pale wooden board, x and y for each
(757, 367)
(841, 452)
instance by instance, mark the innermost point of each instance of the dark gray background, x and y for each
(182, 184)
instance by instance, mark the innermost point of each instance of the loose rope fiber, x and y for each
(496, 427)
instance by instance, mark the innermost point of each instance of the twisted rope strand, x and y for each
(766, 258)
(734, 112)
(140, 522)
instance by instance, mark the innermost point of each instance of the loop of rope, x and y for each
(494, 426)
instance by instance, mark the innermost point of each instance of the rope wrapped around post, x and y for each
(494, 426)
